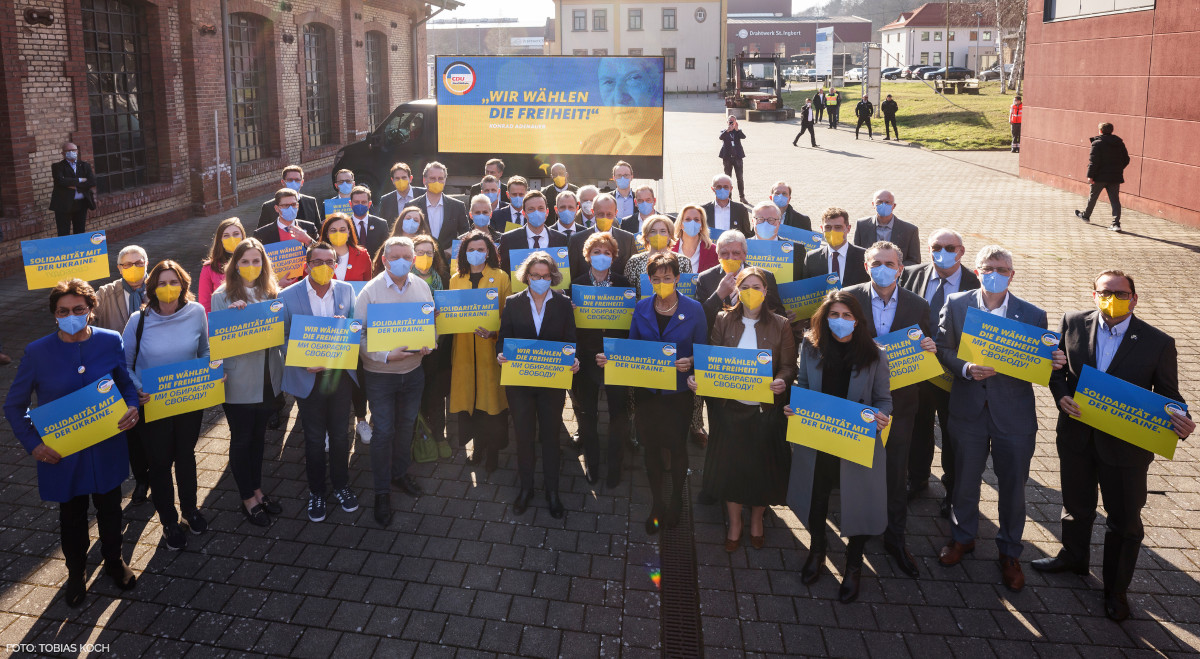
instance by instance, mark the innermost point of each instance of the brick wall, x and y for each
(43, 102)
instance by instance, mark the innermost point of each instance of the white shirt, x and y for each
(283, 226)
(749, 340)
(538, 317)
(340, 270)
(1108, 339)
(543, 237)
(721, 216)
(436, 213)
(693, 257)
(841, 252)
(321, 306)
(391, 283)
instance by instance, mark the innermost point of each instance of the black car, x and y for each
(994, 72)
(918, 72)
(890, 73)
(949, 73)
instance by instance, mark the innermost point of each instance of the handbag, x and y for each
(424, 448)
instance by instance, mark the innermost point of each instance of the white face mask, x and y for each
(587, 207)
(72, 155)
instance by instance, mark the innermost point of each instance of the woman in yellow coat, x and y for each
(475, 391)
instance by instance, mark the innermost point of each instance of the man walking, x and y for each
(863, 111)
(73, 195)
(889, 109)
(1014, 122)
(807, 123)
(1106, 171)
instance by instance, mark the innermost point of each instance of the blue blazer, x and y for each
(50, 369)
(1009, 401)
(502, 216)
(688, 327)
(298, 381)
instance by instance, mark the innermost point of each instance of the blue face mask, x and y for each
(516, 200)
(289, 214)
(944, 259)
(765, 230)
(492, 197)
(481, 219)
(399, 267)
(883, 276)
(293, 185)
(691, 227)
(645, 207)
(622, 182)
(601, 262)
(994, 282)
(345, 187)
(539, 286)
(566, 217)
(722, 193)
(883, 210)
(536, 218)
(476, 258)
(411, 225)
(780, 200)
(73, 324)
(360, 210)
(841, 327)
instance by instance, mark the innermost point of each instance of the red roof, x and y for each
(933, 14)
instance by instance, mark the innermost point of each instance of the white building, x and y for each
(689, 35)
(920, 37)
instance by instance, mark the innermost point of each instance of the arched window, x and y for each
(120, 103)
(377, 78)
(317, 84)
(248, 77)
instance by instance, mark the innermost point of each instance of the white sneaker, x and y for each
(364, 431)
(326, 442)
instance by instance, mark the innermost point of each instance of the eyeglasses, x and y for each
(135, 264)
(291, 205)
(937, 248)
(1120, 295)
(533, 277)
(317, 262)
(998, 270)
(768, 220)
(77, 311)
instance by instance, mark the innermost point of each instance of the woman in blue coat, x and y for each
(75, 356)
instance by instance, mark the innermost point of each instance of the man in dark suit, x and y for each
(1107, 161)
(534, 235)
(990, 413)
(723, 212)
(287, 225)
(1112, 340)
(886, 308)
(716, 287)
(447, 216)
(559, 178)
(808, 121)
(293, 179)
(884, 225)
(343, 185)
(845, 260)
(781, 194)
(514, 213)
(732, 154)
(495, 169)
(403, 194)
(567, 218)
(74, 191)
(604, 207)
(370, 230)
(646, 202)
(935, 282)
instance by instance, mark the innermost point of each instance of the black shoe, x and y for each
(1056, 564)
(1115, 227)
(813, 566)
(175, 537)
(409, 486)
(904, 559)
(1116, 607)
(794, 144)
(944, 508)
(916, 488)
(275, 421)
(121, 574)
(1079, 214)
(521, 504)
(850, 581)
(196, 522)
(256, 515)
(887, 139)
(271, 506)
(383, 509)
(556, 505)
(141, 493)
(75, 591)
(706, 498)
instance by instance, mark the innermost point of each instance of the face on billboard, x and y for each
(628, 83)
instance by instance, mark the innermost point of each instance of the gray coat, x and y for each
(244, 373)
(863, 491)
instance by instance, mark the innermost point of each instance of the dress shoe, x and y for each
(1011, 574)
(75, 591)
(952, 554)
(915, 489)
(904, 559)
(383, 509)
(758, 541)
(1116, 606)
(1079, 214)
(521, 504)
(271, 506)
(5, 360)
(121, 574)
(813, 566)
(141, 492)
(849, 590)
(699, 438)
(555, 504)
(409, 486)
(732, 545)
(256, 515)
(944, 508)
(1056, 564)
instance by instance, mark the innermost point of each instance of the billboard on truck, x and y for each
(587, 112)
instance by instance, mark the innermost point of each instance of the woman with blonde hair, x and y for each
(692, 240)
(229, 233)
(654, 239)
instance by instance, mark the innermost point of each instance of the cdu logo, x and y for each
(459, 78)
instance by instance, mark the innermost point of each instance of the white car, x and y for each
(856, 74)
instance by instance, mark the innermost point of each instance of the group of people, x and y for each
(616, 237)
(830, 101)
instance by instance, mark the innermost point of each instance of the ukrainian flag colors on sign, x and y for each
(1127, 412)
(774, 256)
(337, 205)
(183, 387)
(733, 373)
(810, 239)
(634, 363)
(233, 332)
(603, 307)
(532, 363)
(317, 341)
(1009, 346)
(908, 362)
(396, 324)
(561, 256)
(287, 258)
(51, 260)
(80, 419)
(805, 296)
(461, 311)
(833, 425)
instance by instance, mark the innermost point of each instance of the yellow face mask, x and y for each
(167, 293)
(401, 185)
(659, 241)
(1112, 307)
(423, 262)
(134, 275)
(664, 290)
(321, 274)
(835, 238)
(604, 223)
(560, 181)
(230, 243)
(338, 238)
(249, 273)
(437, 187)
(730, 265)
(751, 298)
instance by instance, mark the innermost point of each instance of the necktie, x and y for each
(536, 241)
(939, 298)
(362, 231)
(837, 270)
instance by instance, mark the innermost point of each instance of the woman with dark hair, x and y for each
(354, 264)
(171, 328)
(544, 314)
(229, 233)
(73, 357)
(838, 357)
(252, 380)
(752, 468)
(410, 224)
(475, 391)
(662, 417)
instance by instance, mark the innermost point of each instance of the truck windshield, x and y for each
(403, 128)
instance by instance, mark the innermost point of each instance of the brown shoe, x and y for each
(700, 438)
(1011, 574)
(5, 360)
(732, 545)
(758, 541)
(952, 554)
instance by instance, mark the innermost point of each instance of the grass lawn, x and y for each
(956, 122)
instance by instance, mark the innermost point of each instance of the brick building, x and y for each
(152, 90)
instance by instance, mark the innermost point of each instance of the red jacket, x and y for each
(1014, 113)
(358, 266)
(708, 255)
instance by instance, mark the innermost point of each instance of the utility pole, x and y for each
(978, 20)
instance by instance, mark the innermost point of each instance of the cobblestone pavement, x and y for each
(456, 574)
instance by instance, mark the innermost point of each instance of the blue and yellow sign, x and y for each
(561, 256)
(317, 341)
(810, 239)
(774, 256)
(395, 324)
(183, 387)
(603, 307)
(462, 311)
(646, 364)
(51, 260)
(908, 362)
(338, 205)
(1128, 412)
(686, 285)
(551, 105)
(533, 363)
(233, 332)
(80, 419)
(287, 258)
(943, 381)
(734, 373)
(833, 425)
(804, 297)
(1009, 346)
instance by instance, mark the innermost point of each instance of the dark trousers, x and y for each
(832, 111)
(358, 392)
(1016, 135)
(247, 436)
(395, 399)
(904, 406)
(889, 126)
(72, 221)
(171, 442)
(864, 121)
(73, 529)
(488, 431)
(826, 478)
(326, 410)
(1011, 455)
(932, 400)
(806, 128)
(662, 423)
(435, 389)
(734, 166)
(819, 111)
(139, 463)
(537, 412)
(587, 397)
(1114, 199)
(1124, 490)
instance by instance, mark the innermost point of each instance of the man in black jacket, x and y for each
(863, 111)
(889, 108)
(818, 103)
(808, 120)
(293, 179)
(73, 193)
(732, 154)
(1106, 171)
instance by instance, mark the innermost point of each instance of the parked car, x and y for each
(811, 75)
(994, 72)
(919, 72)
(890, 73)
(855, 74)
(949, 73)
(907, 72)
